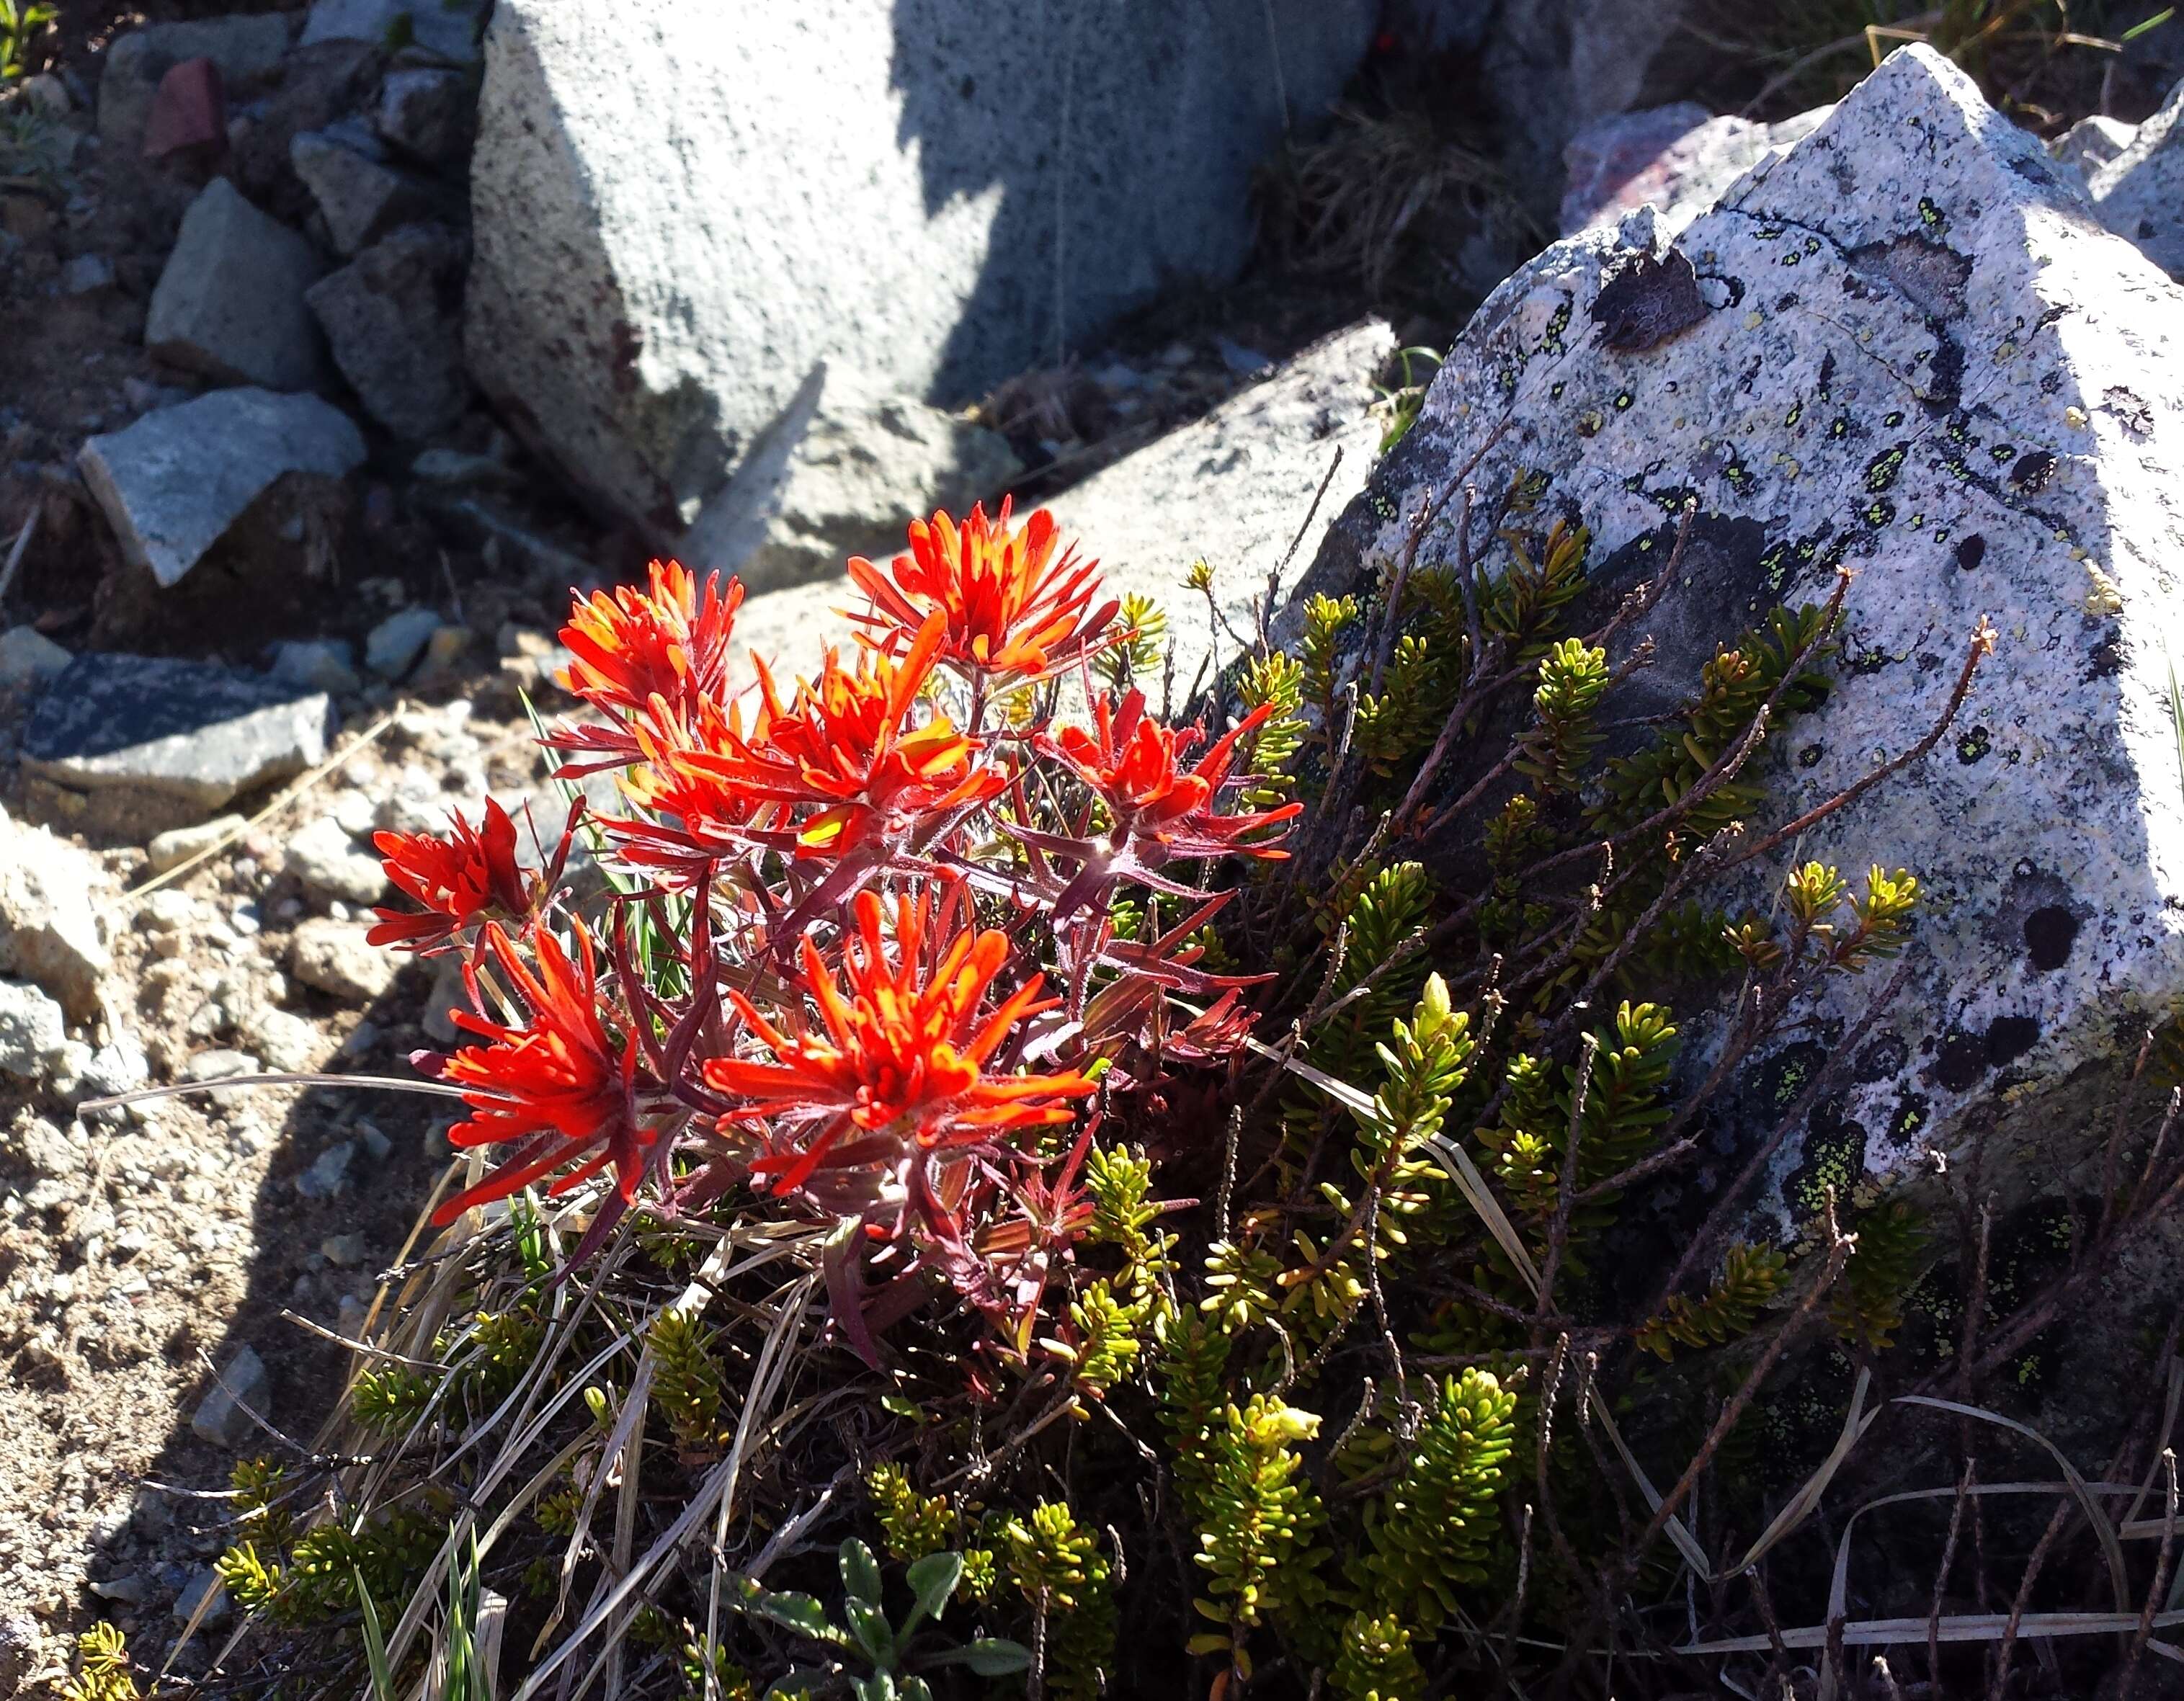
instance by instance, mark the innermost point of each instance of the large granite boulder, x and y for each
(1234, 489)
(1904, 347)
(894, 194)
(2139, 192)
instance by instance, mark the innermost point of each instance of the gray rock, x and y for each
(329, 1172)
(19, 1645)
(332, 957)
(330, 865)
(29, 657)
(1915, 355)
(396, 643)
(229, 302)
(120, 1067)
(285, 1040)
(191, 731)
(828, 485)
(448, 28)
(2091, 142)
(345, 1251)
(242, 46)
(1550, 67)
(394, 333)
(655, 293)
(33, 1031)
(2140, 193)
(1677, 158)
(427, 115)
(86, 275)
(327, 664)
(203, 1598)
(49, 929)
(174, 483)
(176, 846)
(360, 198)
(449, 993)
(224, 1063)
(1233, 488)
(46, 95)
(220, 1417)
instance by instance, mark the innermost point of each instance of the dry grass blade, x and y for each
(1799, 1506)
(1986, 1626)
(2103, 1526)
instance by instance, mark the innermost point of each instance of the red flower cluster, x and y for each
(819, 1023)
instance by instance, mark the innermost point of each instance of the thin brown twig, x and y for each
(2160, 1591)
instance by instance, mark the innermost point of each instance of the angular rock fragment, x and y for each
(49, 928)
(229, 302)
(360, 197)
(428, 114)
(221, 1417)
(240, 47)
(390, 319)
(191, 732)
(2091, 142)
(332, 957)
(173, 483)
(446, 28)
(2139, 194)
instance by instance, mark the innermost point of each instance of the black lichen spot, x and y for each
(1910, 1117)
(1647, 302)
(1879, 511)
(1796, 413)
(1589, 423)
(1971, 552)
(1785, 301)
(1839, 426)
(1550, 340)
(1893, 418)
(1974, 745)
(1835, 1158)
(1962, 1063)
(2105, 659)
(2004, 452)
(2008, 1038)
(1555, 390)
(1881, 471)
(1622, 401)
(1827, 374)
(2033, 471)
(1884, 1057)
(2049, 933)
(1932, 216)
(1809, 757)
(1790, 1072)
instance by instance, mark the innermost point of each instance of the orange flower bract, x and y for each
(901, 1052)
(848, 745)
(629, 648)
(1009, 607)
(470, 876)
(558, 1087)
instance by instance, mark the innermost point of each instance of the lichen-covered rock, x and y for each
(1904, 348)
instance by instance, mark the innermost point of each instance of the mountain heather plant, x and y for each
(1233, 1176)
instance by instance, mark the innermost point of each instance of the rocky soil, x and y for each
(282, 559)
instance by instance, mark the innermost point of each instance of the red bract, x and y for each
(1135, 765)
(467, 878)
(631, 648)
(558, 1087)
(848, 749)
(1010, 609)
(897, 1071)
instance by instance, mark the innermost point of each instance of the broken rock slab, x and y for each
(1680, 160)
(2140, 193)
(831, 483)
(241, 48)
(333, 957)
(191, 734)
(430, 115)
(230, 302)
(49, 929)
(652, 294)
(221, 1417)
(1234, 488)
(174, 483)
(390, 317)
(2091, 142)
(1905, 349)
(360, 197)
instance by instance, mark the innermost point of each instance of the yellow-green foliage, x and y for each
(1433, 1527)
(102, 1668)
(1376, 1663)
(1055, 1564)
(686, 1382)
(1257, 1520)
(1751, 1277)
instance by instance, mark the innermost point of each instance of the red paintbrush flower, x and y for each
(558, 1087)
(630, 646)
(468, 877)
(1009, 608)
(897, 1070)
(848, 749)
(1135, 765)
(688, 819)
